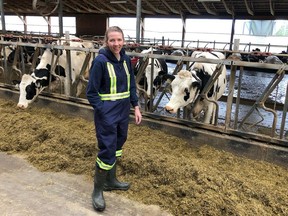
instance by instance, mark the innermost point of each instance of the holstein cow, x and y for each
(32, 85)
(160, 68)
(187, 85)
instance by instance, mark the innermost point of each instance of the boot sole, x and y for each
(114, 188)
(98, 209)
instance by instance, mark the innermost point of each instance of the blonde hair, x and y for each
(112, 29)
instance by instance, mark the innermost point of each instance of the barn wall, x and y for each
(91, 24)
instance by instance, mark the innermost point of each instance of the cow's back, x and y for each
(204, 71)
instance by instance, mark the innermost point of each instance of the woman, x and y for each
(111, 89)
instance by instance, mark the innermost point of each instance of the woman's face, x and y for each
(115, 42)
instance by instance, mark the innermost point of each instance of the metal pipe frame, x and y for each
(228, 129)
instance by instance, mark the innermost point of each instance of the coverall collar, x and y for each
(105, 51)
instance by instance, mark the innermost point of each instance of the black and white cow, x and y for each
(160, 68)
(32, 85)
(187, 85)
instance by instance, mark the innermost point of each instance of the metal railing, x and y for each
(232, 124)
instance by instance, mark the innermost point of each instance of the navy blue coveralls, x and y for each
(110, 90)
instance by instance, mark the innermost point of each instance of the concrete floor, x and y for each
(26, 191)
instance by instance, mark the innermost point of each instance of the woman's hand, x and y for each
(138, 116)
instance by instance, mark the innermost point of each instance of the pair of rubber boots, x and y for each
(105, 181)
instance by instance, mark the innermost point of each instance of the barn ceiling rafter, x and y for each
(252, 9)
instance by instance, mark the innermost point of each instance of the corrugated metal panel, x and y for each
(252, 9)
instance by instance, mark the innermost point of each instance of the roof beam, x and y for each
(248, 8)
(156, 9)
(189, 9)
(94, 7)
(209, 10)
(112, 9)
(73, 8)
(228, 10)
(170, 8)
(271, 8)
(142, 9)
(80, 5)
(126, 9)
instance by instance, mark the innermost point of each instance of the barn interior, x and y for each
(264, 144)
(92, 19)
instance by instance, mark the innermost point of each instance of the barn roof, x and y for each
(250, 9)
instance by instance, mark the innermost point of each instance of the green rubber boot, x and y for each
(112, 183)
(98, 200)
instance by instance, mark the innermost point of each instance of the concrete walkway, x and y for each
(25, 191)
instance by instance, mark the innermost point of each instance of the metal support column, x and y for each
(60, 15)
(2, 16)
(138, 22)
(231, 88)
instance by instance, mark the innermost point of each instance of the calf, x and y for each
(187, 85)
(32, 85)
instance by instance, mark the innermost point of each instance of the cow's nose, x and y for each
(21, 106)
(169, 109)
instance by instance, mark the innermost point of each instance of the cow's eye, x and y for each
(196, 84)
(30, 91)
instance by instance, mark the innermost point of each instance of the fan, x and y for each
(45, 7)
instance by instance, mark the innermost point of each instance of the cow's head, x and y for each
(157, 79)
(186, 87)
(30, 87)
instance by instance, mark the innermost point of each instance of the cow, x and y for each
(160, 68)
(32, 85)
(272, 60)
(188, 84)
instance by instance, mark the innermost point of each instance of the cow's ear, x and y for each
(161, 73)
(16, 82)
(168, 77)
(57, 51)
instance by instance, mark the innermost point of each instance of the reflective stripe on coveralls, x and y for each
(113, 87)
(104, 166)
(114, 96)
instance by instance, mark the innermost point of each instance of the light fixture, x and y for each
(118, 2)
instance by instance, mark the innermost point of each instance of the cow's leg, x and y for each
(67, 87)
(79, 88)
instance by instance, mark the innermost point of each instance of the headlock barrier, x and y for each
(254, 126)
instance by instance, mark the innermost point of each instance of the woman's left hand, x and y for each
(138, 115)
